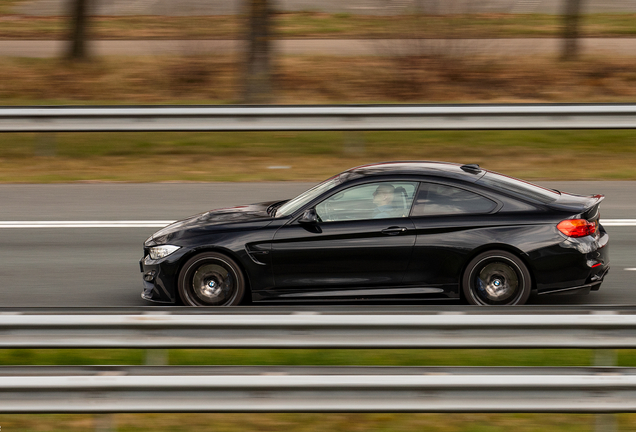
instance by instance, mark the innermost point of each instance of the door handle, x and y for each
(393, 230)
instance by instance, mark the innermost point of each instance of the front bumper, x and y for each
(160, 277)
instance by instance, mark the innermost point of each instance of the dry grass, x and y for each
(439, 78)
(318, 25)
(124, 80)
(318, 79)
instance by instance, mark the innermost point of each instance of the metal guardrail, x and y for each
(309, 330)
(104, 389)
(591, 390)
(317, 118)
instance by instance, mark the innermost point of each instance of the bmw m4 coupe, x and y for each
(395, 230)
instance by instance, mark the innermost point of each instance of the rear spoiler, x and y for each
(598, 198)
(585, 206)
(591, 211)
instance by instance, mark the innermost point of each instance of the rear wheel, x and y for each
(496, 278)
(211, 279)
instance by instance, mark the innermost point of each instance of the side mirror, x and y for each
(309, 217)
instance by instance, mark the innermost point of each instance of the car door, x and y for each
(354, 243)
(449, 221)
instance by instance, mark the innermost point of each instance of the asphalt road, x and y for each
(331, 47)
(97, 267)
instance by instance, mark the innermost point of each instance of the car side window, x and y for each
(379, 200)
(436, 199)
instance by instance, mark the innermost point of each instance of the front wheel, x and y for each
(496, 278)
(211, 279)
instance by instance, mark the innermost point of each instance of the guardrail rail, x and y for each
(319, 389)
(161, 389)
(316, 118)
(315, 330)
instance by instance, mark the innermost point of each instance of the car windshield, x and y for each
(291, 206)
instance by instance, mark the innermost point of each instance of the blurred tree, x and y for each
(258, 80)
(571, 21)
(78, 30)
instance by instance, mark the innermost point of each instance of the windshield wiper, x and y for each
(271, 210)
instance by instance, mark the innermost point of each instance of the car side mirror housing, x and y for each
(309, 217)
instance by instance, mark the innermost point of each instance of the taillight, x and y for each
(577, 227)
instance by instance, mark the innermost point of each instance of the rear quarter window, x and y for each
(519, 187)
(435, 200)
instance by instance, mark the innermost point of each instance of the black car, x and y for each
(395, 230)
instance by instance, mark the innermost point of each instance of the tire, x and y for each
(496, 278)
(211, 279)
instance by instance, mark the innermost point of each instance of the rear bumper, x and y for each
(584, 268)
(583, 289)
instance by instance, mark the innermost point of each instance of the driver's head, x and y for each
(383, 195)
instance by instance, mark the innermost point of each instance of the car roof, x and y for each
(470, 173)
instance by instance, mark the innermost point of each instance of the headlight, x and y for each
(162, 251)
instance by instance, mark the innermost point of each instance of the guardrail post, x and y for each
(605, 357)
(45, 144)
(156, 357)
(104, 423)
(605, 422)
(354, 143)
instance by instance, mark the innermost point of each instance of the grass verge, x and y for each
(307, 156)
(317, 25)
(321, 422)
(315, 357)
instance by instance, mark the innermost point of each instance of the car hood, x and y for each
(251, 216)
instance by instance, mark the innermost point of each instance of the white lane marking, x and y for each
(618, 222)
(163, 223)
(85, 224)
(631, 269)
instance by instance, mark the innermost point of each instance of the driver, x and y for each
(383, 199)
